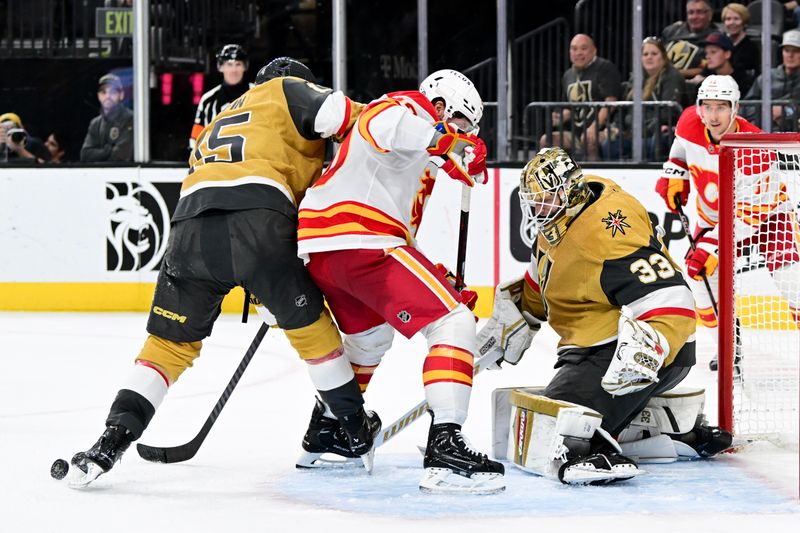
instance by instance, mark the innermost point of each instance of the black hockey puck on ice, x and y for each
(59, 469)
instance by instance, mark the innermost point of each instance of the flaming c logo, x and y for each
(426, 188)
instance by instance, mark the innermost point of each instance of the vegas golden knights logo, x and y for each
(581, 91)
(682, 53)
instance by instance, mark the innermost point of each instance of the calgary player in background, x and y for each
(232, 64)
(236, 225)
(357, 230)
(601, 276)
(694, 160)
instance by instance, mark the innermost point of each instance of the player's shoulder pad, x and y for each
(304, 100)
(416, 102)
(691, 127)
(745, 126)
(616, 219)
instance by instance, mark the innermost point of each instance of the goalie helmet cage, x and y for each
(758, 386)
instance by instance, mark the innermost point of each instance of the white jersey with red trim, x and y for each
(693, 150)
(374, 192)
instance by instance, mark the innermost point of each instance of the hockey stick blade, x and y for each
(184, 452)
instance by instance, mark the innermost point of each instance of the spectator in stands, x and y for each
(785, 86)
(55, 146)
(232, 63)
(683, 38)
(589, 79)
(746, 56)
(110, 135)
(719, 54)
(793, 11)
(16, 145)
(662, 82)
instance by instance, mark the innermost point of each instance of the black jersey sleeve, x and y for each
(304, 100)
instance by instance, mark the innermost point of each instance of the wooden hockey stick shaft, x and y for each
(692, 244)
(184, 452)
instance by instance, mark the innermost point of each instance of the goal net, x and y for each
(759, 286)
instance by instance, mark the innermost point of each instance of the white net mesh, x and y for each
(767, 294)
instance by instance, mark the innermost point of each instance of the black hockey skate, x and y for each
(326, 436)
(597, 469)
(451, 466)
(707, 441)
(100, 458)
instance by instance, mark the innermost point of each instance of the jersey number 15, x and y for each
(211, 147)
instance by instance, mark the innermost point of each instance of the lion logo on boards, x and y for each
(171, 315)
(616, 222)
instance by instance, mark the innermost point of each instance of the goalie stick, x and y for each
(184, 452)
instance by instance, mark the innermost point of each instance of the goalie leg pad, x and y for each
(551, 438)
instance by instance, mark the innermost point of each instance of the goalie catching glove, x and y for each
(640, 352)
(508, 329)
(461, 156)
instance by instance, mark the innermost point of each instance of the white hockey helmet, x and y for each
(716, 87)
(457, 91)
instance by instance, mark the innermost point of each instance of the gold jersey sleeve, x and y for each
(610, 256)
(263, 151)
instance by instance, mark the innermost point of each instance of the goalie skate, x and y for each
(597, 469)
(325, 444)
(452, 467)
(87, 466)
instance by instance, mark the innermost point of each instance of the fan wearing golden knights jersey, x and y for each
(694, 163)
(357, 230)
(235, 225)
(603, 280)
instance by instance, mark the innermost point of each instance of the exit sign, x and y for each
(113, 22)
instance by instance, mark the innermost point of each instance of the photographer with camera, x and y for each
(15, 143)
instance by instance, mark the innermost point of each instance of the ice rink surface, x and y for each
(61, 372)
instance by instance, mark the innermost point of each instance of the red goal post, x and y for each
(758, 389)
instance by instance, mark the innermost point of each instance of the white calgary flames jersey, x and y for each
(693, 150)
(374, 192)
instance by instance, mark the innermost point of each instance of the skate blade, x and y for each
(588, 475)
(78, 479)
(444, 481)
(311, 461)
(368, 459)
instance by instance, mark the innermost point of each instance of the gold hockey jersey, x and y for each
(610, 256)
(265, 149)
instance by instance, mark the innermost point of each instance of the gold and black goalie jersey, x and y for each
(610, 256)
(265, 149)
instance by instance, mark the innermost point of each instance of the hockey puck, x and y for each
(59, 469)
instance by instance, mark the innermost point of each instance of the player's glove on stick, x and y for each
(468, 297)
(508, 329)
(640, 352)
(703, 259)
(475, 159)
(674, 181)
(449, 148)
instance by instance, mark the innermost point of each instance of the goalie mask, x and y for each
(552, 192)
(458, 93)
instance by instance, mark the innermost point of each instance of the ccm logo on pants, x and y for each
(168, 314)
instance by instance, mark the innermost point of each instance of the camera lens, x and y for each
(18, 136)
